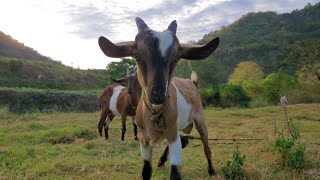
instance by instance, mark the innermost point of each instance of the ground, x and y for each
(67, 145)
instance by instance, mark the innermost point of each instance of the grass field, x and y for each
(67, 146)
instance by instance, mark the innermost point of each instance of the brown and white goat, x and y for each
(167, 104)
(117, 100)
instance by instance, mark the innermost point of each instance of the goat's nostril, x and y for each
(157, 91)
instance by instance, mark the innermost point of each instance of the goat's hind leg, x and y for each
(135, 129)
(101, 124)
(124, 129)
(202, 129)
(106, 125)
(164, 157)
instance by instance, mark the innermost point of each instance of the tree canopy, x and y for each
(246, 71)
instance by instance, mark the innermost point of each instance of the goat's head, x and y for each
(130, 80)
(156, 54)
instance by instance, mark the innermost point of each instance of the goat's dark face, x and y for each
(131, 82)
(156, 54)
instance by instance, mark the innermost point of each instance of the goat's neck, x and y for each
(135, 97)
(155, 110)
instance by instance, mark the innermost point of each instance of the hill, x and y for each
(48, 74)
(267, 38)
(10, 47)
(22, 66)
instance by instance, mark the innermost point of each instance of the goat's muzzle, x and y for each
(158, 95)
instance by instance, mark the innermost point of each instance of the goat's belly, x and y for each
(183, 119)
(184, 111)
(114, 100)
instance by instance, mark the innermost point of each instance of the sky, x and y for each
(68, 30)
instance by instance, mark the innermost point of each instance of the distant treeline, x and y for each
(24, 102)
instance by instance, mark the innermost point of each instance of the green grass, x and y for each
(67, 146)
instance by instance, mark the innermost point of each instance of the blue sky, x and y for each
(68, 30)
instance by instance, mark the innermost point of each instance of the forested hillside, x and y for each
(22, 66)
(48, 75)
(274, 41)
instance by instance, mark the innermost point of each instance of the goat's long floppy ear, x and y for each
(117, 50)
(198, 52)
(121, 80)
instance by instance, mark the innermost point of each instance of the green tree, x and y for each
(119, 69)
(305, 56)
(246, 71)
(233, 96)
(277, 85)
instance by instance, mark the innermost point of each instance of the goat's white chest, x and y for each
(184, 110)
(114, 100)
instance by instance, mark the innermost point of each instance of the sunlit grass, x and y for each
(66, 145)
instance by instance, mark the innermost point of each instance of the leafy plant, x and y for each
(233, 169)
(292, 153)
(289, 148)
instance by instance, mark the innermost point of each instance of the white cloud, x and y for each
(68, 30)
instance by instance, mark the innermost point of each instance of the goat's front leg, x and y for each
(163, 158)
(123, 121)
(134, 127)
(175, 148)
(146, 154)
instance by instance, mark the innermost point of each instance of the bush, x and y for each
(233, 169)
(25, 102)
(258, 102)
(292, 152)
(224, 96)
(233, 96)
(210, 96)
(277, 85)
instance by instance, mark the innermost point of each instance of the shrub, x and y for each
(292, 153)
(233, 169)
(210, 96)
(233, 96)
(290, 150)
(277, 85)
(258, 102)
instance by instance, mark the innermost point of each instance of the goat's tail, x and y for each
(194, 78)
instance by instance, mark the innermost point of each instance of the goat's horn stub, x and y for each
(173, 27)
(141, 24)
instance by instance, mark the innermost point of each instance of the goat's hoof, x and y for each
(175, 174)
(136, 138)
(100, 132)
(212, 172)
(161, 162)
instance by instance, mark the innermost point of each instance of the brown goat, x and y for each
(121, 101)
(168, 104)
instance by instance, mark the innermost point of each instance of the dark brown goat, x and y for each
(117, 100)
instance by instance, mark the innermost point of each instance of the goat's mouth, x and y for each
(157, 100)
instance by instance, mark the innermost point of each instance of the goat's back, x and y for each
(187, 88)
